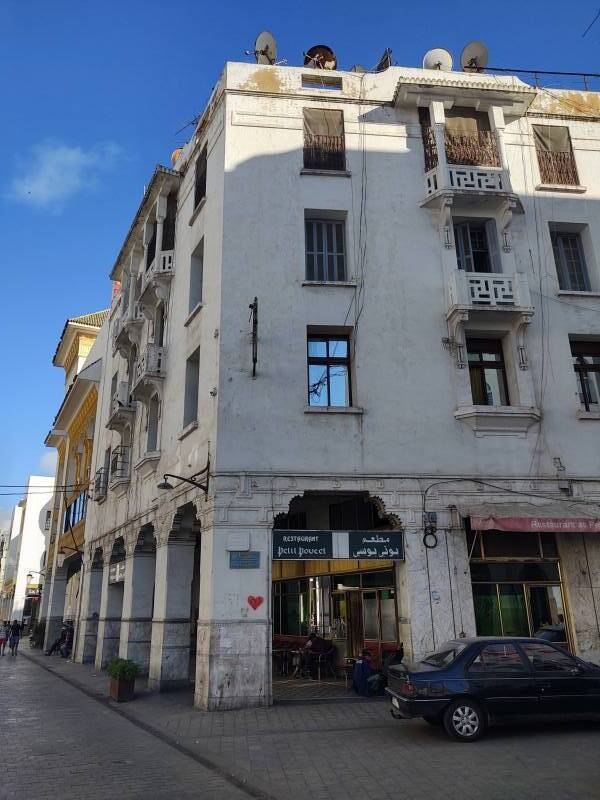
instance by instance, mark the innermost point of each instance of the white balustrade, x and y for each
(488, 289)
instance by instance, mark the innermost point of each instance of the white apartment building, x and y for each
(24, 569)
(361, 315)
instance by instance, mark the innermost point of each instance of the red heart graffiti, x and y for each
(255, 602)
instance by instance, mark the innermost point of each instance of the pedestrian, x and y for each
(4, 634)
(15, 637)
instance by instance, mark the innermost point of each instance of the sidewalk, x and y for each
(343, 751)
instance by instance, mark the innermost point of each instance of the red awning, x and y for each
(525, 517)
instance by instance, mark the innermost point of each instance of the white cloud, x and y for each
(47, 463)
(53, 172)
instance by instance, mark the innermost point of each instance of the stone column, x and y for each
(109, 622)
(87, 636)
(233, 662)
(136, 622)
(56, 605)
(170, 643)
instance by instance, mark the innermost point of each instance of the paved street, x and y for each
(52, 733)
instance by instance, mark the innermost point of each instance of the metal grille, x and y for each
(324, 152)
(429, 148)
(473, 149)
(119, 463)
(100, 483)
(558, 168)
(75, 511)
(325, 250)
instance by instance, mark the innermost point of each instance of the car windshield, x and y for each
(446, 654)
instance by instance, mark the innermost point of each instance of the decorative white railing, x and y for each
(151, 362)
(163, 265)
(488, 289)
(456, 177)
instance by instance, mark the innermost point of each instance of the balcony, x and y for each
(125, 329)
(472, 168)
(488, 291)
(324, 153)
(156, 280)
(75, 511)
(149, 372)
(122, 409)
(120, 466)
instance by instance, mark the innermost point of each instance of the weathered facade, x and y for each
(424, 251)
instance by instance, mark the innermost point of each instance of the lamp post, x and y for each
(164, 485)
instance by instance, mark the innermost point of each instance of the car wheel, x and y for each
(434, 719)
(465, 720)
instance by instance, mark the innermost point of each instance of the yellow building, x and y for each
(72, 434)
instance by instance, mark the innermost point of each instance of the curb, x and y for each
(240, 783)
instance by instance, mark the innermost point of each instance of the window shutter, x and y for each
(462, 238)
(492, 242)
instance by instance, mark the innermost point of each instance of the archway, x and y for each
(111, 605)
(334, 574)
(138, 600)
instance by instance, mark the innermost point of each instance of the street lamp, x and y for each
(165, 485)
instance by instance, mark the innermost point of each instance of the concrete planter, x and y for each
(121, 691)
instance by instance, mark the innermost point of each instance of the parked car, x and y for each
(469, 684)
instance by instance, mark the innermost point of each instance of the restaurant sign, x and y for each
(317, 545)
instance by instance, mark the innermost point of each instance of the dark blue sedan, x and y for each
(469, 684)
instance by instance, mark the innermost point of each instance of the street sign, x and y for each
(244, 559)
(376, 544)
(302, 545)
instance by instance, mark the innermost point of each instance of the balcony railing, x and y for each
(151, 363)
(121, 408)
(324, 152)
(473, 149)
(488, 290)
(161, 268)
(429, 148)
(558, 168)
(120, 464)
(75, 511)
(100, 483)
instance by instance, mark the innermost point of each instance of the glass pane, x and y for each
(389, 628)
(487, 613)
(372, 579)
(347, 581)
(512, 610)
(317, 385)
(339, 616)
(505, 544)
(492, 572)
(491, 356)
(317, 348)
(478, 392)
(290, 614)
(546, 659)
(304, 613)
(339, 394)
(547, 612)
(498, 658)
(338, 348)
(495, 388)
(371, 624)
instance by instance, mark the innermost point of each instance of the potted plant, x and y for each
(123, 673)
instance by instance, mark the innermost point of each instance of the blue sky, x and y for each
(92, 97)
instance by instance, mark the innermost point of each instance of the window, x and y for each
(546, 659)
(570, 261)
(468, 139)
(159, 325)
(322, 82)
(487, 373)
(324, 139)
(168, 236)
(192, 378)
(477, 246)
(151, 251)
(196, 276)
(200, 186)
(498, 658)
(586, 363)
(555, 155)
(113, 385)
(48, 520)
(325, 250)
(153, 416)
(446, 655)
(329, 371)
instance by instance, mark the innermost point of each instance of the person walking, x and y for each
(15, 637)
(4, 634)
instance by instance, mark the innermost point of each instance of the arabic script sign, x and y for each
(372, 544)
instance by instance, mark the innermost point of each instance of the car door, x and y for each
(502, 678)
(565, 685)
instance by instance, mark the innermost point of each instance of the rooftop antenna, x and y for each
(474, 57)
(385, 61)
(438, 58)
(265, 48)
(321, 56)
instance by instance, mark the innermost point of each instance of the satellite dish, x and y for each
(385, 61)
(358, 68)
(265, 48)
(320, 57)
(438, 58)
(474, 57)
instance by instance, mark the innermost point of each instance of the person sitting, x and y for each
(366, 680)
(313, 648)
(58, 642)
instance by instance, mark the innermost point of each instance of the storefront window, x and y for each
(487, 612)
(371, 622)
(389, 628)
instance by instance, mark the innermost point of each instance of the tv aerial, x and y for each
(385, 61)
(265, 48)
(474, 57)
(320, 57)
(439, 59)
